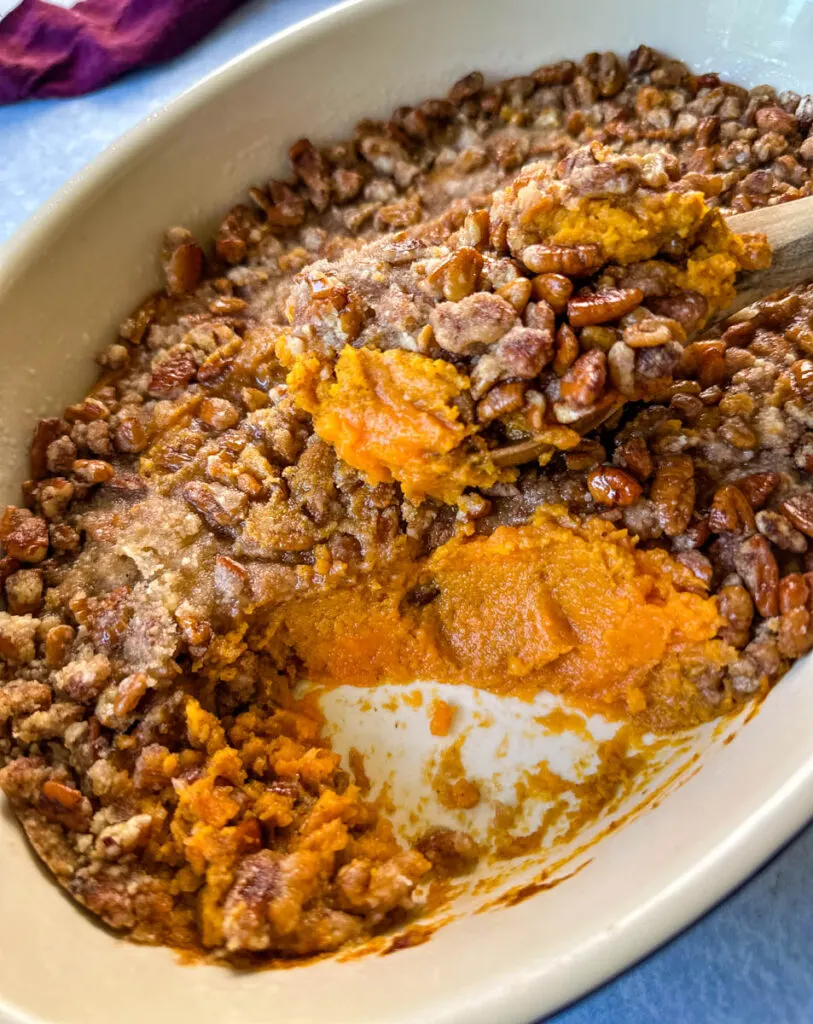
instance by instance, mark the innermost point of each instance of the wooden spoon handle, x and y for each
(789, 227)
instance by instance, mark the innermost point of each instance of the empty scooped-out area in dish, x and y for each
(226, 516)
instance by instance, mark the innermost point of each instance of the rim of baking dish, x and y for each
(518, 996)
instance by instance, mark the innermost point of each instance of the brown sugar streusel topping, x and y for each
(158, 763)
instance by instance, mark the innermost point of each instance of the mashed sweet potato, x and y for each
(559, 605)
(392, 415)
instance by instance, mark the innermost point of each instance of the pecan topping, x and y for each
(46, 432)
(634, 456)
(204, 498)
(524, 352)
(172, 375)
(567, 349)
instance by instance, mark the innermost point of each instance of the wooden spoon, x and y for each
(789, 227)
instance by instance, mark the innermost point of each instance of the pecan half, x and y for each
(603, 306)
(573, 260)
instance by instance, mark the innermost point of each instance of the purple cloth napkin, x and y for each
(49, 51)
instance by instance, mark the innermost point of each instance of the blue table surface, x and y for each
(748, 960)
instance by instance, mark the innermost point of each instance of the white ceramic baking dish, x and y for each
(67, 279)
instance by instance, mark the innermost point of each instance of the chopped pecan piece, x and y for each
(449, 851)
(555, 289)
(220, 508)
(737, 609)
(613, 487)
(183, 262)
(46, 432)
(24, 591)
(58, 641)
(799, 511)
(584, 382)
(66, 806)
(524, 352)
(93, 471)
(474, 322)
(172, 375)
(84, 680)
(756, 564)
(313, 170)
(673, 492)
(25, 536)
(779, 531)
(633, 455)
(758, 487)
(731, 513)
(500, 400)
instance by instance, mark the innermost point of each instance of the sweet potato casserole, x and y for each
(307, 459)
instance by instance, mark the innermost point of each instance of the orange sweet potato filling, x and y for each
(391, 414)
(637, 230)
(220, 815)
(568, 607)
